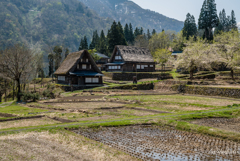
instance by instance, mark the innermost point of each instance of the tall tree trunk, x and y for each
(34, 86)
(5, 91)
(206, 35)
(191, 74)
(18, 90)
(232, 74)
(1, 97)
(13, 90)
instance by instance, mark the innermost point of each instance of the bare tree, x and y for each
(16, 63)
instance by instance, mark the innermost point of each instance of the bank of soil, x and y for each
(232, 124)
(161, 143)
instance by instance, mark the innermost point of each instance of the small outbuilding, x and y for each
(102, 61)
(130, 59)
(79, 69)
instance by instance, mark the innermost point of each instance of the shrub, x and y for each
(28, 96)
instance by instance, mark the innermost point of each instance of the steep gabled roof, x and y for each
(71, 61)
(134, 54)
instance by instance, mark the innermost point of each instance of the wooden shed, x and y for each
(79, 69)
(130, 59)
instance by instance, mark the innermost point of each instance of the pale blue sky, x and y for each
(178, 9)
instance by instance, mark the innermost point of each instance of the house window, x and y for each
(118, 58)
(81, 60)
(95, 80)
(142, 66)
(90, 67)
(109, 67)
(146, 66)
(151, 66)
(86, 60)
(117, 53)
(88, 80)
(84, 66)
(92, 80)
(78, 66)
(119, 67)
(138, 66)
(61, 78)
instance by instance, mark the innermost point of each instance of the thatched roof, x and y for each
(133, 54)
(71, 61)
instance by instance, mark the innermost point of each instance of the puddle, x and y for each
(159, 143)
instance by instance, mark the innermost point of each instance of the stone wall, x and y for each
(144, 86)
(129, 76)
(210, 91)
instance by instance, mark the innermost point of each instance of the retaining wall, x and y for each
(144, 86)
(210, 91)
(128, 76)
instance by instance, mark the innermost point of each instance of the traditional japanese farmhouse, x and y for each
(102, 61)
(79, 69)
(130, 59)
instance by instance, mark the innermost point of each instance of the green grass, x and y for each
(174, 74)
(20, 110)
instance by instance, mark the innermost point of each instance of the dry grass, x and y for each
(175, 107)
(86, 105)
(184, 99)
(60, 146)
(26, 123)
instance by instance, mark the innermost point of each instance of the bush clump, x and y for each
(28, 96)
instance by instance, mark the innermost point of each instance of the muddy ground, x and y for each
(232, 124)
(161, 143)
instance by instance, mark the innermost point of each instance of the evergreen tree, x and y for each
(127, 33)
(95, 40)
(208, 18)
(233, 21)
(137, 32)
(57, 56)
(148, 35)
(66, 52)
(154, 32)
(141, 31)
(131, 35)
(190, 28)
(80, 8)
(102, 46)
(85, 46)
(81, 45)
(115, 37)
(121, 32)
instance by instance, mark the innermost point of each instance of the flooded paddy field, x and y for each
(162, 143)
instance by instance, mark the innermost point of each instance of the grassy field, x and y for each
(97, 110)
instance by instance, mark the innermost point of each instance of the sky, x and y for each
(178, 9)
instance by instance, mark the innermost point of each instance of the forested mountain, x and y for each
(128, 12)
(52, 22)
